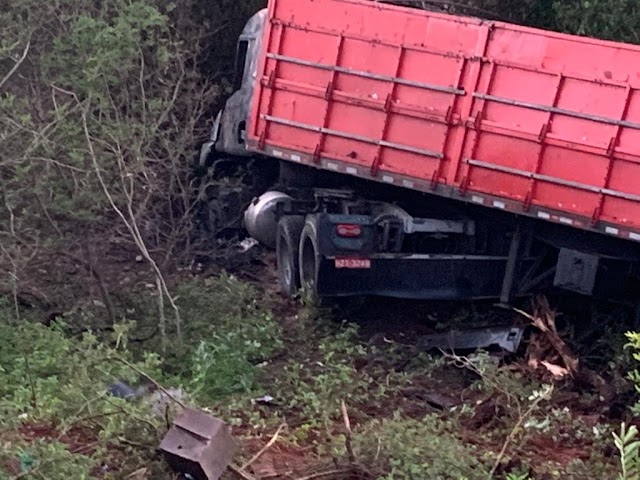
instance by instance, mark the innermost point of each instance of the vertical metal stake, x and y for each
(513, 263)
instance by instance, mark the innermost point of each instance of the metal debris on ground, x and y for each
(247, 244)
(442, 401)
(198, 445)
(264, 400)
(507, 338)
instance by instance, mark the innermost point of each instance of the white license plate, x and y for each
(353, 263)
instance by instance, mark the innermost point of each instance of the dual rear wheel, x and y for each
(298, 255)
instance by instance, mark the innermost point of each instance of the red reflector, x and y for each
(348, 230)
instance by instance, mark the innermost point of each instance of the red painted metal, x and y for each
(536, 122)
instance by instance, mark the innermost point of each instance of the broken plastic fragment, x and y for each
(247, 244)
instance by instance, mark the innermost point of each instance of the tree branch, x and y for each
(16, 65)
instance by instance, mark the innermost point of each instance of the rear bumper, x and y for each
(427, 277)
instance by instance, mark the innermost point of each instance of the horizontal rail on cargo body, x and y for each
(555, 180)
(561, 111)
(372, 76)
(354, 36)
(479, 198)
(570, 75)
(381, 105)
(351, 136)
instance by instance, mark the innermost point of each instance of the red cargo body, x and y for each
(514, 118)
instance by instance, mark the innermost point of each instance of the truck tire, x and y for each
(287, 244)
(309, 257)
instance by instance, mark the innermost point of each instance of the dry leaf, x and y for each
(139, 474)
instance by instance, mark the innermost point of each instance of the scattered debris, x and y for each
(507, 338)
(556, 370)
(198, 445)
(548, 346)
(264, 449)
(167, 402)
(264, 400)
(548, 350)
(442, 401)
(121, 389)
(140, 474)
(247, 244)
(162, 401)
(485, 412)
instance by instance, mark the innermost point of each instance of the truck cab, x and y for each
(228, 134)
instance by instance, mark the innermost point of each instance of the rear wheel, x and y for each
(309, 258)
(287, 245)
(309, 261)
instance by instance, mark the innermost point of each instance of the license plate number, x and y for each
(353, 263)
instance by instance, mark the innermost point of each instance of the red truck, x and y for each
(433, 156)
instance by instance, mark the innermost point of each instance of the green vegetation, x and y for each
(426, 447)
(102, 108)
(57, 419)
(357, 405)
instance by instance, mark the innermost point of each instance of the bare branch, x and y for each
(545, 395)
(142, 90)
(348, 433)
(265, 448)
(327, 473)
(130, 223)
(16, 65)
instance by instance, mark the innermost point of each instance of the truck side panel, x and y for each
(514, 118)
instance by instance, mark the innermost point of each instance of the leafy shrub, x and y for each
(219, 370)
(107, 89)
(628, 445)
(231, 330)
(58, 382)
(223, 303)
(313, 387)
(45, 372)
(401, 448)
(634, 375)
(607, 19)
(47, 459)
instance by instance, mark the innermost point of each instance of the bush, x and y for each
(105, 111)
(634, 375)
(231, 331)
(401, 448)
(608, 19)
(313, 386)
(57, 418)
